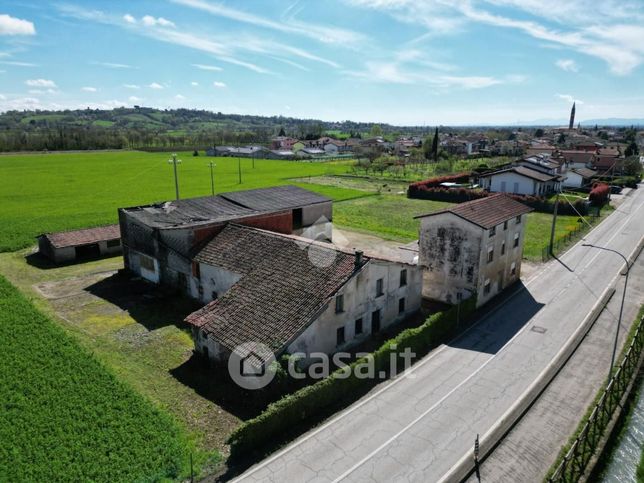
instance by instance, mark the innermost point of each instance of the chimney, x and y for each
(358, 261)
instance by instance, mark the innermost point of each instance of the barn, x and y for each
(78, 245)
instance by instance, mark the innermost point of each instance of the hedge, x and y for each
(461, 195)
(436, 181)
(599, 194)
(313, 400)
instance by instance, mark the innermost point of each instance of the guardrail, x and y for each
(574, 463)
(564, 240)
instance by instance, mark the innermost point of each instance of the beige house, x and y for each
(472, 248)
(293, 295)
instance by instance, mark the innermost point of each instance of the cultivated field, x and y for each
(66, 417)
(51, 192)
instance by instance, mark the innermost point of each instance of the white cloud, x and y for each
(150, 21)
(568, 99)
(194, 83)
(213, 68)
(40, 83)
(131, 86)
(113, 65)
(179, 97)
(155, 85)
(129, 18)
(568, 65)
(42, 91)
(89, 89)
(15, 26)
(18, 63)
(134, 99)
(219, 84)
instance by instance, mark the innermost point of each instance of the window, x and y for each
(516, 188)
(403, 277)
(401, 305)
(113, 243)
(486, 286)
(490, 254)
(518, 220)
(196, 269)
(339, 336)
(214, 295)
(147, 263)
(513, 268)
(503, 248)
(516, 240)
(492, 231)
(339, 304)
(358, 326)
(375, 321)
(379, 284)
(297, 218)
(505, 225)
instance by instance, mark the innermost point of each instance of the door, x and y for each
(503, 187)
(85, 252)
(375, 321)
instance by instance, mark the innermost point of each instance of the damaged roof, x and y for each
(275, 198)
(486, 212)
(285, 283)
(86, 236)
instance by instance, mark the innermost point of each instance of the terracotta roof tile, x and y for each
(83, 237)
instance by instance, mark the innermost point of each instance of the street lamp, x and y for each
(174, 161)
(621, 309)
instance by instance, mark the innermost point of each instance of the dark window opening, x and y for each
(403, 277)
(339, 336)
(339, 304)
(88, 251)
(358, 326)
(297, 218)
(401, 305)
(379, 286)
(375, 321)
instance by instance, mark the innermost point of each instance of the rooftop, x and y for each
(281, 289)
(85, 236)
(275, 198)
(486, 212)
(523, 171)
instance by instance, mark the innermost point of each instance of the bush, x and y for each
(436, 182)
(599, 194)
(313, 400)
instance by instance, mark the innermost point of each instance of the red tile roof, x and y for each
(486, 212)
(83, 237)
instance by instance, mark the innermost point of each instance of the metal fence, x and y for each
(574, 463)
(563, 241)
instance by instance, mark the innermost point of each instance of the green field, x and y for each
(65, 417)
(51, 192)
(392, 217)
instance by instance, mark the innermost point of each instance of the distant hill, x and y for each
(609, 121)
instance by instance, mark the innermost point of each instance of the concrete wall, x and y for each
(63, 255)
(449, 251)
(211, 280)
(134, 264)
(499, 271)
(524, 186)
(360, 301)
(573, 180)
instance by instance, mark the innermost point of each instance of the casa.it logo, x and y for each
(250, 365)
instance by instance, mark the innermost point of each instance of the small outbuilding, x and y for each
(76, 245)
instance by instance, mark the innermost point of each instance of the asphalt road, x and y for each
(418, 426)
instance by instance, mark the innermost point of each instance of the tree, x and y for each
(435, 146)
(282, 132)
(632, 166)
(375, 131)
(427, 147)
(538, 133)
(631, 149)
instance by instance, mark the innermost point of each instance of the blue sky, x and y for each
(396, 61)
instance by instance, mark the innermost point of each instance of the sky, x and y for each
(405, 62)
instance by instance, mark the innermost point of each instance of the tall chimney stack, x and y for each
(358, 260)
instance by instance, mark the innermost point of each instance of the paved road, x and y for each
(416, 427)
(528, 451)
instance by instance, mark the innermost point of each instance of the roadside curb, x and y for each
(465, 466)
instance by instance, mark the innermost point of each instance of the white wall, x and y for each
(510, 182)
(573, 180)
(212, 279)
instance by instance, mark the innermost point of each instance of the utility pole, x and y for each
(477, 470)
(554, 222)
(174, 161)
(239, 168)
(212, 177)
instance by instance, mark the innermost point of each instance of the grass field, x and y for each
(392, 217)
(51, 192)
(64, 416)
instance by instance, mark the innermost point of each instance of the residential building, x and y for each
(70, 246)
(293, 295)
(280, 154)
(282, 143)
(579, 177)
(521, 180)
(159, 239)
(472, 249)
(577, 158)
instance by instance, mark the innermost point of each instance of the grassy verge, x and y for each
(65, 417)
(392, 217)
(51, 192)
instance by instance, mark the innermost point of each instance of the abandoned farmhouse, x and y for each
(70, 246)
(473, 248)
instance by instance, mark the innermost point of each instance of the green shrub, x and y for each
(313, 400)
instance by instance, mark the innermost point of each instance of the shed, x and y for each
(76, 245)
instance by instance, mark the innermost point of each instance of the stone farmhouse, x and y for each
(292, 294)
(159, 239)
(472, 248)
